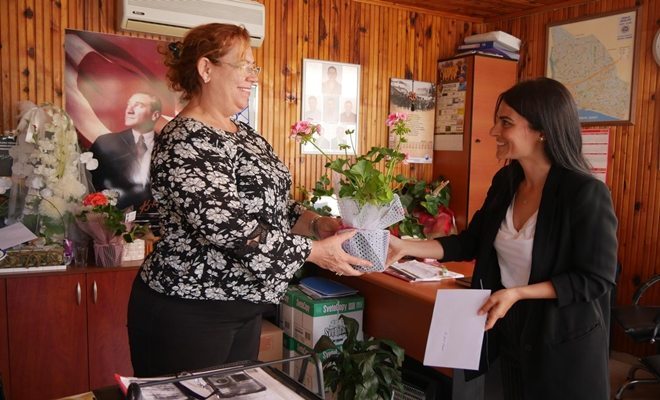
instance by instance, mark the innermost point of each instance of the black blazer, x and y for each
(116, 153)
(565, 341)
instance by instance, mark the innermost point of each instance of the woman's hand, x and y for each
(395, 251)
(498, 304)
(328, 254)
(415, 248)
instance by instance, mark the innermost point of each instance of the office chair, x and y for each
(642, 324)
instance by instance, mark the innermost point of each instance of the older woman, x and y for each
(231, 237)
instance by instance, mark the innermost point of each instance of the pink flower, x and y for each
(303, 130)
(393, 118)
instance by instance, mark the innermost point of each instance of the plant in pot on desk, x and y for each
(367, 370)
(108, 227)
(366, 198)
(427, 210)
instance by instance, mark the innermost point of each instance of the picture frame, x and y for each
(594, 58)
(331, 98)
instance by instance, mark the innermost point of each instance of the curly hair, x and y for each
(211, 41)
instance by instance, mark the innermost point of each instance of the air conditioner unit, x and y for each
(176, 17)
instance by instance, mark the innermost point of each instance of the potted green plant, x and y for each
(427, 209)
(367, 201)
(361, 369)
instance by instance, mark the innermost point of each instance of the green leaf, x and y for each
(324, 343)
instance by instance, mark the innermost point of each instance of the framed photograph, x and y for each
(595, 58)
(331, 97)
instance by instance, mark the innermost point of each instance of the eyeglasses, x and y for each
(249, 69)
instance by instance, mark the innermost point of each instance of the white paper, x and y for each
(418, 271)
(457, 331)
(15, 234)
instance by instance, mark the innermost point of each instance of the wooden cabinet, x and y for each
(107, 302)
(4, 341)
(468, 88)
(47, 336)
(66, 331)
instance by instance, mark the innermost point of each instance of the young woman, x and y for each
(545, 242)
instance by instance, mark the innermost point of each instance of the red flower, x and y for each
(95, 199)
(436, 226)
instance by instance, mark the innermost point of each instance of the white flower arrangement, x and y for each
(48, 171)
(5, 184)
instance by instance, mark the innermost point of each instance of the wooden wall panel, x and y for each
(634, 176)
(387, 42)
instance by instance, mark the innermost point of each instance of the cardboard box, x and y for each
(270, 343)
(286, 311)
(306, 319)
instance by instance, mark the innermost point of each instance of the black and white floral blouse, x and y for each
(226, 216)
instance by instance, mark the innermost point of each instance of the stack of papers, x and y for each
(322, 288)
(417, 271)
(496, 43)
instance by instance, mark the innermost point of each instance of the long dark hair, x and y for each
(550, 109)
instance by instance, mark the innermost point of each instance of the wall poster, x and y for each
(595, 148)
(417, 99)
(594, 59)
(450, 109)
(118, 98)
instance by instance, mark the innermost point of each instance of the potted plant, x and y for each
(427, 209)
(367, 201)
(107, 225)
(361, 369)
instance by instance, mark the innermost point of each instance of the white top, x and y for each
(514, 249)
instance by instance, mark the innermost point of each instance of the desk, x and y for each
(399, 310)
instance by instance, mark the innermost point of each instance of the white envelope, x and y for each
(457, 331)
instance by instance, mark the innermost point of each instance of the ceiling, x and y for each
(481, 9)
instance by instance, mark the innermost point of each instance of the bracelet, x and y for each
(314, 226)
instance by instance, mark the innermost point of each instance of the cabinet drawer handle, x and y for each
(78, 294)
(477, 140)
(96, 292)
